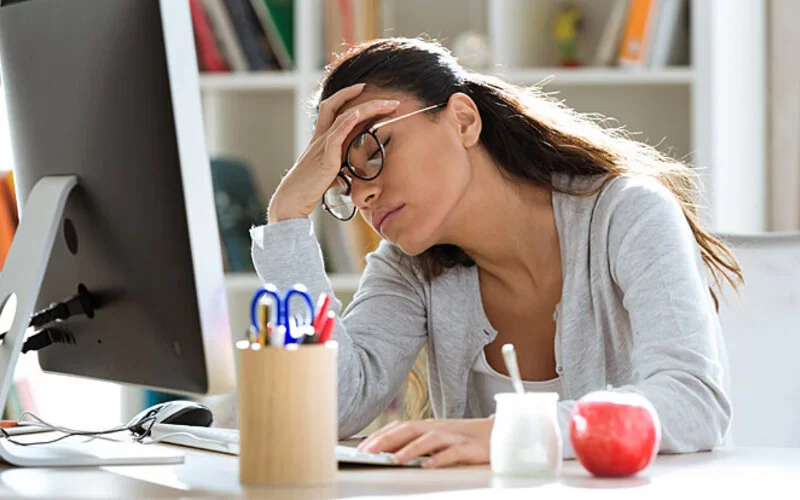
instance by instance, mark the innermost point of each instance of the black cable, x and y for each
(8, 438)
(80, 303)
(46, 337)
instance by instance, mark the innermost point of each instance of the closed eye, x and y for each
(377, 151)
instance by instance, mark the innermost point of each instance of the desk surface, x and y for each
(773, 472)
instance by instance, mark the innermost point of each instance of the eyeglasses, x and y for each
(363, 160)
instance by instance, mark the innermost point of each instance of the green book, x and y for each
(277, 19)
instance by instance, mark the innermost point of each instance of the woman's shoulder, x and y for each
(590, 200)
(613, 188)
(630, 197)
(610, 206)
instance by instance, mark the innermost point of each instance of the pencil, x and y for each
(263, 323)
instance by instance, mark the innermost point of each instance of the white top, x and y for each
(489, 382)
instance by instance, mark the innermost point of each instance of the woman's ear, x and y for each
(466, 118)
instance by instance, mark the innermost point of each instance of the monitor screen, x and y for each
(108, 91)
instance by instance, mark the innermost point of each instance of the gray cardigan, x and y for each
(635, 314)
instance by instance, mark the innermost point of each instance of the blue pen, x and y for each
(281, 309)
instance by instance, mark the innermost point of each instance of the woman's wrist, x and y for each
(279, 211)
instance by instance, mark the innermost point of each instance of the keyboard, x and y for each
(227, 441)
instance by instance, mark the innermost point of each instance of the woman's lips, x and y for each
(389, 218)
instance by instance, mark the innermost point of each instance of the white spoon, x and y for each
(510, 358)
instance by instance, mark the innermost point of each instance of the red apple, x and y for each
(614, 434)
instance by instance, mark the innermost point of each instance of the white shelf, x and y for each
(600, 76)
(274, 80)
(249, 81)
(345, 283)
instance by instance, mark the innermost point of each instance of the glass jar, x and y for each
(526, 439)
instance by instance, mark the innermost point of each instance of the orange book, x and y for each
(636, 39)
(8, 217)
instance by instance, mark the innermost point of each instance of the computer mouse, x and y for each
(172, 412)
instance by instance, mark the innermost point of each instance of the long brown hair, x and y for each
(520, 124)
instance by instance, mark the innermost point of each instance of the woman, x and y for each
(505, 218)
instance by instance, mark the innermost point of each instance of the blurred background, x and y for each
(713, 82)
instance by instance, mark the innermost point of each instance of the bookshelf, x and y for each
(691, 111)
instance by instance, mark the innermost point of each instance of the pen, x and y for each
(327, 329)
(322, 308)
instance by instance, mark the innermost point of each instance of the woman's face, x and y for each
(424, 174)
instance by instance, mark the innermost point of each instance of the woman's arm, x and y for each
(379, 334)
(677, 345)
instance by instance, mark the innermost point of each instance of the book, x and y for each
(277, 21)
(332, 30)
(239, 207)
(637, 39)
(8, 215)
(670, 34)
(349, 22)
(222, 26)
(251, 36)
(608, 46)
(209, 56)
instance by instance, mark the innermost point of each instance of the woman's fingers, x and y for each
(469, 452)
(300, 190)
(369, 443)
(329, 108)
(344, 123)
(394, 438)
(446, 443)
(428, 444)
(347, 121)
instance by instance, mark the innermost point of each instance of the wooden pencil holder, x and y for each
(288, 414)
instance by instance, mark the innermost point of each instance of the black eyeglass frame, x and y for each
(346, 164)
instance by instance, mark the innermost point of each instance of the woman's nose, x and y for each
(365, 192)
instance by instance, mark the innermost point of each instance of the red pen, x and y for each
(323, 302)
(327, 328)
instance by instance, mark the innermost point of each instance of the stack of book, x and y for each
(350, 21)
(243, 35)
(645, 34)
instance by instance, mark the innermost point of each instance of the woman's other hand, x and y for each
(448, 442)
(303, 186)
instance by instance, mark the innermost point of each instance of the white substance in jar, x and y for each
(526, 440)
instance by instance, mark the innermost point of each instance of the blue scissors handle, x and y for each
(260, 292)
(281, 306)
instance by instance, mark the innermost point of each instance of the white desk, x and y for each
(768, 473)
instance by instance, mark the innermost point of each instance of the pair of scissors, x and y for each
(281, 312)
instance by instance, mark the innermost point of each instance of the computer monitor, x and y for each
(115, 193)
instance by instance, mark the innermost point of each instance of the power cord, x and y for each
(66, 430)
(81, 303)
(46, 337)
